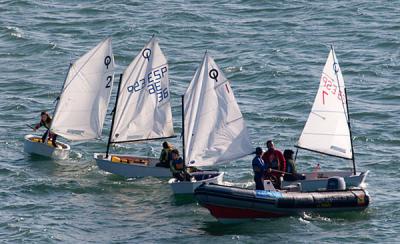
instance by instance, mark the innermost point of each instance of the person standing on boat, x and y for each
(291, 172)
(45, 120)
(177, 167)
(165, 156)
(274, 160)
(259, 169)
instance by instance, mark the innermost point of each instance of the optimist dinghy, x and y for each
(34, 145)
(233, 204)
(328, 131)
(142, 112)
(82, 105)
(214, 130)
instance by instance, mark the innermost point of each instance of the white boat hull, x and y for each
(319, 181)
(188, 187)
(131, 169)
(33, 146)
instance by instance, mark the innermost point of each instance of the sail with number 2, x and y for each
(143, 109)
(215, 130)
(82, 106)
(327, 129)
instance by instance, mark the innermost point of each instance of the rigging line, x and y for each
(338, 82)
(328, 154)
(140, 140)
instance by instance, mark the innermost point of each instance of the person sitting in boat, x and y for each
(291, 172)
(165, 156)
(177, 167)
(275, 163)
(45, 120)
(258, 169)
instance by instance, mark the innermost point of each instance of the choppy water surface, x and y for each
(273, 53)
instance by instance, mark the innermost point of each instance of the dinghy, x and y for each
(34, 145)
(82, 104)
(328, 131)
(233, 204)
(142, 112)
(214, 130)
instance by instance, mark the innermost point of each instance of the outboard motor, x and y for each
(336, 183)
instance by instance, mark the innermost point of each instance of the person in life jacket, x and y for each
(45, 120)
(291, 172)
(275, 162)
(258, 169)
(177, 167)
(165, 156)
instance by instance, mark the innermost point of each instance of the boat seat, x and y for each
(128, 160)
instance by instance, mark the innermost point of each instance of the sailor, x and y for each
(45, 120)
(275, 163)
(291, 172)
(258, 169)
(177, 167)
(165, 156)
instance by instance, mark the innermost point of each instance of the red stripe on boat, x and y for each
(238, 213)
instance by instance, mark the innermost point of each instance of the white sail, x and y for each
(143, 107)
(215, 130)
(326, 129)
(83, 103)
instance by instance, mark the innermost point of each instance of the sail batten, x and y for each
(215, 131)
(83, 103)
(144, 109)
(326, 130)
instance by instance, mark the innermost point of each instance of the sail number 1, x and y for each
(330, 87)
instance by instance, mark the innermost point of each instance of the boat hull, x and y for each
(131, 169)
(228, 203)
(319, 181)
(32, 145)
(188, 187)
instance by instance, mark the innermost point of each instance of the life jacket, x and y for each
(178, 165)
(290, 167)
(165, 155)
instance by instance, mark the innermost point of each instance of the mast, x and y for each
(183, 127)
(347, 109)
(59, 96)
(113, 117)
(351, 136)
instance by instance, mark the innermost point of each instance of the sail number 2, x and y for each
(107, 62)
(330, 87)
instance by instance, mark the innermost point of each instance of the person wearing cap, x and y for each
(259, 169)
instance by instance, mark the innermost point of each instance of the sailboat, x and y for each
(214, 131)
(82, 105)
(328, 130)
(142, 112)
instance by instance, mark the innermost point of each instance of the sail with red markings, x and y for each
(327, 130)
